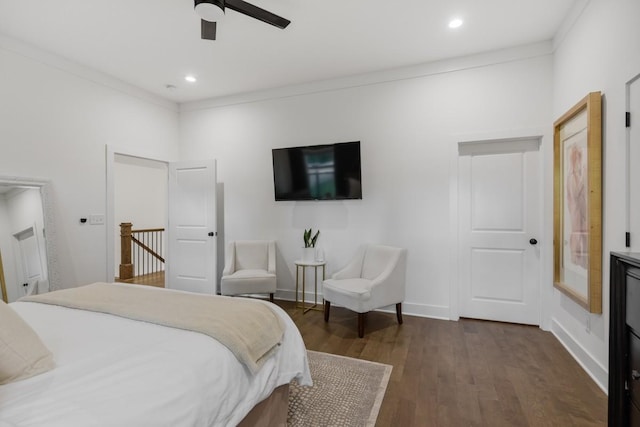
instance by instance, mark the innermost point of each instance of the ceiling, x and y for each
(154, 43)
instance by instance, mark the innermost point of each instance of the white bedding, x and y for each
(112, 371)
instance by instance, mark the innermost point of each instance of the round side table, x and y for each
(302, 265)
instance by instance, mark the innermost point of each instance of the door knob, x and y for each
(211, 234)
(533, 241)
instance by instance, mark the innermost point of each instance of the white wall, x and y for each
(407, 127)
(600, 53)
(56, 119)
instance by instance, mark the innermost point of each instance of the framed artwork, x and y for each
(577, 207)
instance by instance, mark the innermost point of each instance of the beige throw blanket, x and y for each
(251, 330)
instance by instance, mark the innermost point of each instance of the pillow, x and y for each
(22, 353)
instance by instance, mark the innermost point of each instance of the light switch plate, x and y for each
(96, 220)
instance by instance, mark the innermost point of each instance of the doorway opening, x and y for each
(188, 193)
(140, 215)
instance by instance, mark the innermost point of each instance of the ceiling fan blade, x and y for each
(207, 30)
(257, 13)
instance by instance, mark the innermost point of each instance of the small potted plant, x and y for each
(309, 251)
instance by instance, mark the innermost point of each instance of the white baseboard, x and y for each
(289, 295)
(420, 310)
(593, 368)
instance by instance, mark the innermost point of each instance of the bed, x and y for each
(115, 371)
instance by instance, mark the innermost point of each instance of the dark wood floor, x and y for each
(466, 373)
(152, 279)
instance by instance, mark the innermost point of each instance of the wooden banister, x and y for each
(147, 248)
(126, 267)
(147, 230)
(140, 252)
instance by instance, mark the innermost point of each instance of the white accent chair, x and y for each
(250, 268)
(374, 278)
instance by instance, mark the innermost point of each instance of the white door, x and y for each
(633, 162)
(192, 220)
(30, 260)
(498, 206)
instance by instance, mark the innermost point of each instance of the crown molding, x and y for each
(380, 77)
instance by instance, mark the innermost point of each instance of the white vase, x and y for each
(308, 254)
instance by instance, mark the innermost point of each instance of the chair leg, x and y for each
(327, 308)
(271, 297)
(399, 312)
(361, 319)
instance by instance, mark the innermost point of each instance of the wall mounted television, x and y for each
(318, 172)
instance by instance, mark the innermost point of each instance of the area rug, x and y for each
(345, 392)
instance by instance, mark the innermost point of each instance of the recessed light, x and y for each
(191, 79)
(455, 23)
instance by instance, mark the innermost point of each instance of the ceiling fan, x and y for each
(210, 11)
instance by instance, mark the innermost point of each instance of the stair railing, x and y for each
(140, 251)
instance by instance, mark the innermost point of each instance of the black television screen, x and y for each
(318, 172)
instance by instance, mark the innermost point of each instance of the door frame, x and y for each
(110, 155)
(545, 214)
(627, 172)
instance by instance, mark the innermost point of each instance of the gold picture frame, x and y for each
(577, 207)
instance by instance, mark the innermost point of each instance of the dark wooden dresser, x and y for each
(624, 340)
